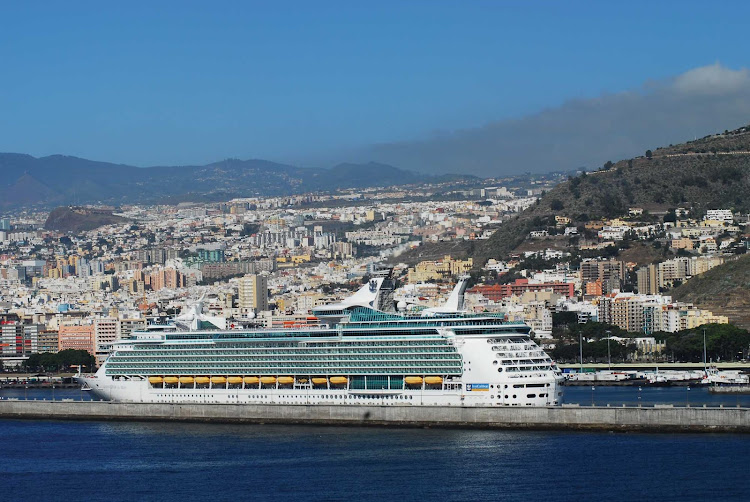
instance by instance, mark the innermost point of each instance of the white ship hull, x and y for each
(546, 391)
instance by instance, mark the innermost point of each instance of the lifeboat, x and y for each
(252, 380)
(234, 380)
(155, 380)
(186, 380)
(171, 380)
(319, 380)
(268, 380)
(202, 380)
(339, 380)
(433, 380)
(286, 380)
(218, 380)
(413, 380)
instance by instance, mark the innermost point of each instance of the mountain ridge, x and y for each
(57, 180)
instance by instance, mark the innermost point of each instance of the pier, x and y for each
(659, 418)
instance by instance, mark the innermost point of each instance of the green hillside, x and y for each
(724, 290)
(710, 173)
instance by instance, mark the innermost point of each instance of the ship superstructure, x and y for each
(360, 352)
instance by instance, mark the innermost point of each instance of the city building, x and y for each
(77, 337)
(253, 293)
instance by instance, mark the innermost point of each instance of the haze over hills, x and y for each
(58, 180)
(583, 131)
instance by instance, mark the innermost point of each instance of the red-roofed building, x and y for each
(497, 292)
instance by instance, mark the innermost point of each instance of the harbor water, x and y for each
(118, 461)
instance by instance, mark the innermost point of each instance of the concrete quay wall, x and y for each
(659, 419)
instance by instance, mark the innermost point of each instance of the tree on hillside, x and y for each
(649, 154)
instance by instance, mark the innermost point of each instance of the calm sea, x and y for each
(82, 461)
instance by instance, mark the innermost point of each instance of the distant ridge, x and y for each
(61, 180)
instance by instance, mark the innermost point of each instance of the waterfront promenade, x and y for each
(661, 418)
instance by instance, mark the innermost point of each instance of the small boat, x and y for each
(714, 376)
(218, 380)
(319, 380)
(413, 380)
(251, 380)
(171, 380)
(268, 380)
(234, 380)
(186, 380)
(433, 380)
(202, 380)
(154, 380)
(286, 380)
(338, 380)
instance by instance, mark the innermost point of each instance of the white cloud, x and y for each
(712, 79)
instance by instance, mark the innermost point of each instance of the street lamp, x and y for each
(580, 347)
(639, 396)
(609, 355)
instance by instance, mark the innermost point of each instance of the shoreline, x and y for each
(659, 418)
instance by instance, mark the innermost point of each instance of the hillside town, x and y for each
(268, 261)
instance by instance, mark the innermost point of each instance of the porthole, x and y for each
(500, 370)
(494, 362)
(514, 396)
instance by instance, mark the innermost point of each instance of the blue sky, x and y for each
(151, 83)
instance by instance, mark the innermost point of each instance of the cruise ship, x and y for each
(360, 351)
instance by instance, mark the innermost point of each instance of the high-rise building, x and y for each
(166, 278)
(105, 335)
(609, 272)
(12, 336)
(648, 283)
(253, 293)
(48, 341)
(76, 337)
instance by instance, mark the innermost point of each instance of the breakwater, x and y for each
(658, 418)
